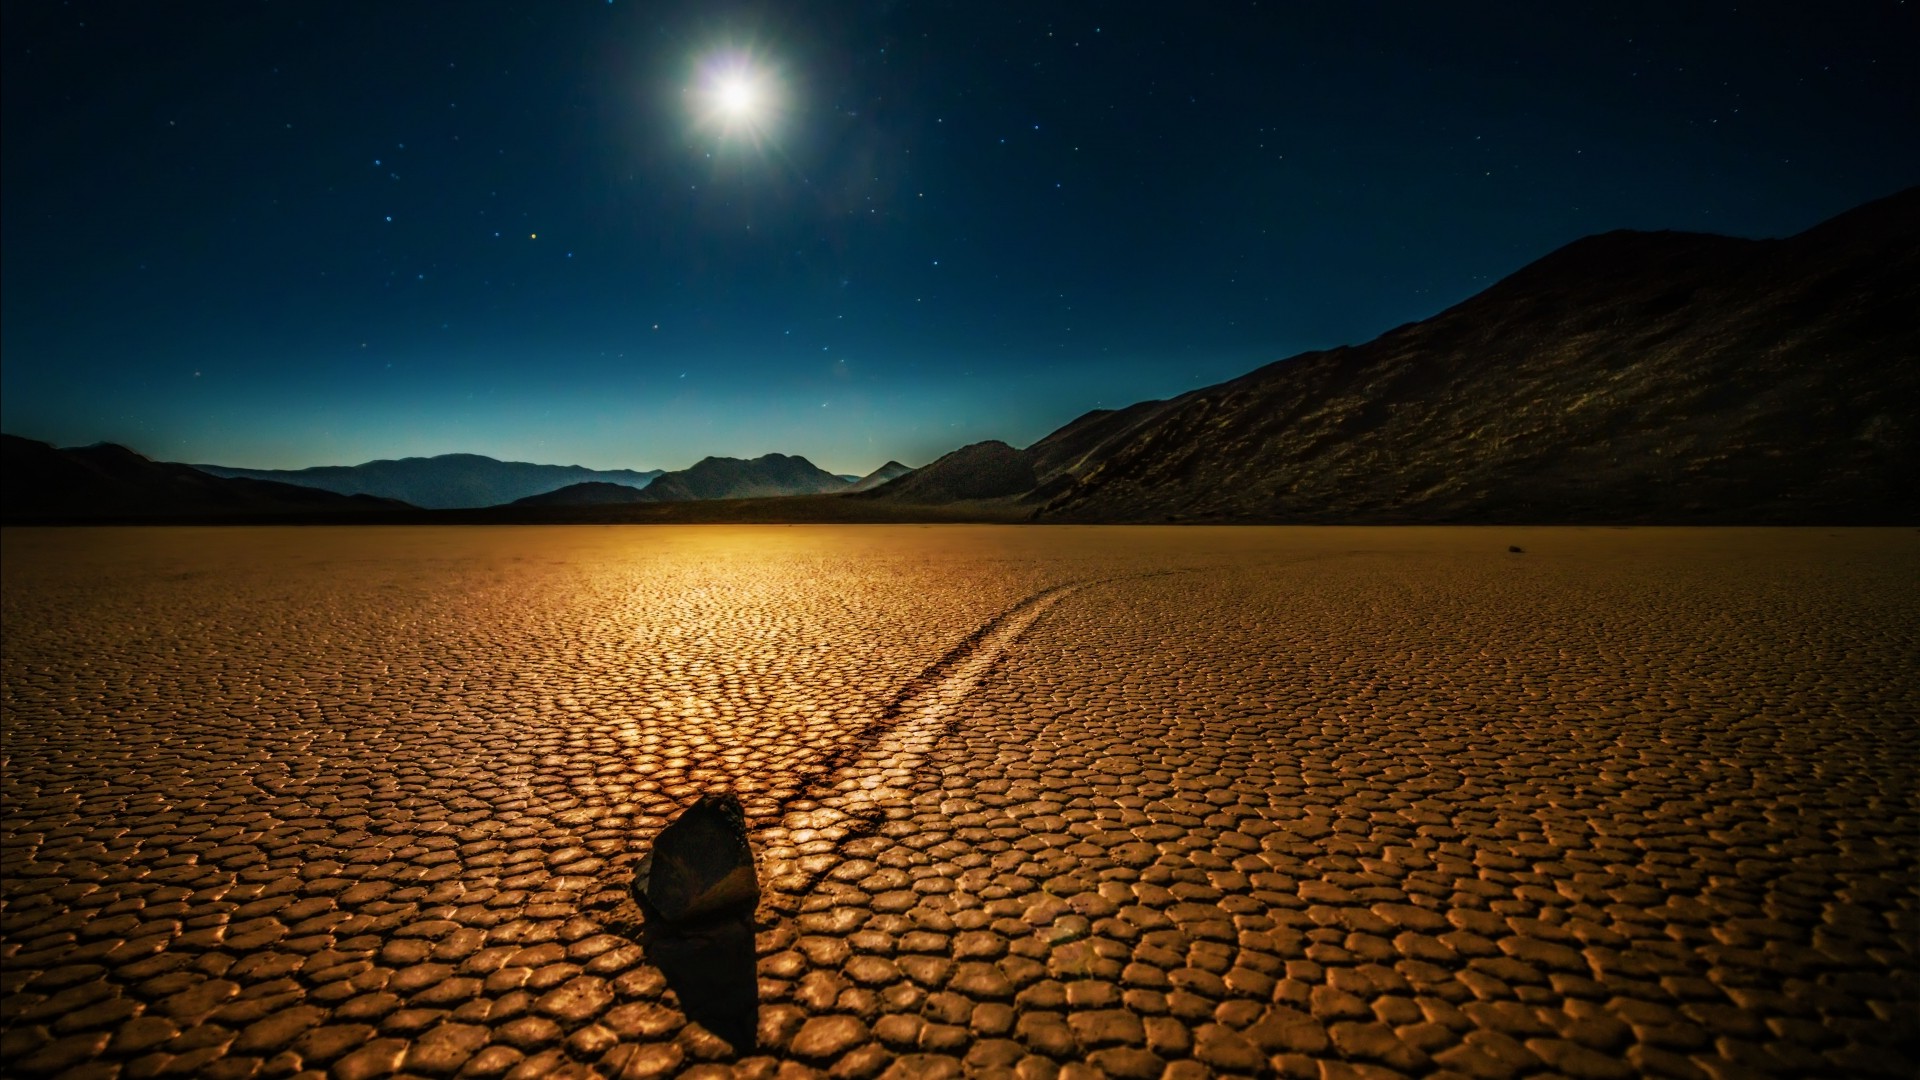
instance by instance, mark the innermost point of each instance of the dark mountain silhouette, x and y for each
(739, 478)
(769, 476)
(982, 470)
(881, 475)
(591, 493)
(445, 481)
(112, 483)
(1627, 377)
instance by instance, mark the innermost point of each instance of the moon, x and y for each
(737, 95)
(737, 98)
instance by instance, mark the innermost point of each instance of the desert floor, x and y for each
(1141, 801)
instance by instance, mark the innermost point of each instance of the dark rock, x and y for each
(701, 864)
(1516, 549)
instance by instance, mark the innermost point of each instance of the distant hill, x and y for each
(768, 476)
(112, 483)
(591, 493)
(444, 482)
(891, 470)
(670, 487)
(738, 478)
(1627, 377)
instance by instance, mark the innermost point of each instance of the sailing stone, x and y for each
(701, 864)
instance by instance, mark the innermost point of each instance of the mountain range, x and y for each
(738, 478)
(112, 483)
(764, 477)
(447, 481)
(1627, 377)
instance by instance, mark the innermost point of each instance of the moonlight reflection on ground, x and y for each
(1164, 801)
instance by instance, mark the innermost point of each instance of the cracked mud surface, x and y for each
(1321, 802)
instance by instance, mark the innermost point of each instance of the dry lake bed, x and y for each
(1141, 802)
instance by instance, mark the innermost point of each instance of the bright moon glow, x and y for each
(737, 96)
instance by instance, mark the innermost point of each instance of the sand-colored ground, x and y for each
(1147, 802)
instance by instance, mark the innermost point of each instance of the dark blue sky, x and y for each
(284, 234)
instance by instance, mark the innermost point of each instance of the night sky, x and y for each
(288, 234)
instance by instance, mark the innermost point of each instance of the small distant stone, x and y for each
(1516, 549)
(701, 863)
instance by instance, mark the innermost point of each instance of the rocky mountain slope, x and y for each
(443, 482)
(1627, 377)
(982, 470)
